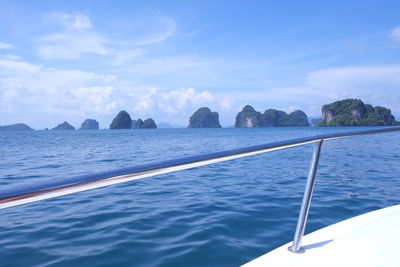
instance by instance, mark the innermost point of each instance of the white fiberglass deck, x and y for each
(371, 239)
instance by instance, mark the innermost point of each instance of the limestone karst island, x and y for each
(204, 118)
(249, 118)
(123, 121)
(347, 112)
(353, 112)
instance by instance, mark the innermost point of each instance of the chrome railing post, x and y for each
(305, 205)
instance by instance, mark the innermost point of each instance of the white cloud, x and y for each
(72, 21)
(396, 34)
(35, 89)
(124, 56)
(376, 85)
(79, 37)
(75, 40)
(96, 100)
(145, 103)
(227, 103)
(164, 27)
(10, 57)
(46, 93)
(176, 106)
(182, 98)
(6, 46)
(14, 67)
(47, 96)
(357, 79)
(72, 45)
(147, 29)
(171, 102)
(178, 71)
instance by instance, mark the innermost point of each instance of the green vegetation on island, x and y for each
(204, 118)
(15, 127)
(90, 124)
(250, 118)
(347, 112)
(353, 112)
(64, 126)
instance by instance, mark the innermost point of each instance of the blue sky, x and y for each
(72, 60)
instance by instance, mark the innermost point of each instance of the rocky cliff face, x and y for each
(121, 121)
(204, 118)
(64, 126)
(90, 124)
(15, 127)
(353, 112)
(249, 118)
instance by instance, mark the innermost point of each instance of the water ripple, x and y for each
(220, 215)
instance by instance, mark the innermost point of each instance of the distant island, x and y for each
(204, 118)
(64, 126)
(353, 112)
(15, 127)
(347, 112)
(146, 124)
(250, 118)
(90, 124)
(149, 124)
(123, 121)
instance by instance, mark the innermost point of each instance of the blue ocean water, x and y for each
(219, 215)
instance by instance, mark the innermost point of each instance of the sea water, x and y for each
(224, 214)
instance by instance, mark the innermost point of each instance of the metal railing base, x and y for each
(298, 251)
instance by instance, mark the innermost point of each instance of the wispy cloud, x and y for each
(72, 21)
(79, 37)
(10, 57)
(6, 46)
(124, 56)
(76, 39)
(11, 66)
(359, 79)
(395, 34)
(163, 28)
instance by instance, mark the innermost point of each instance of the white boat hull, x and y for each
(371, 239)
